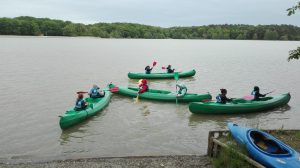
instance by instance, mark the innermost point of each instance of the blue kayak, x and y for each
(264, 148)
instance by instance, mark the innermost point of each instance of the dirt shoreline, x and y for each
(177, 161)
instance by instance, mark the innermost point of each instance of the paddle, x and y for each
(251, 97)
(153, 64)
(113, 89)
(176, 77)
(137, 98)
(138, 94)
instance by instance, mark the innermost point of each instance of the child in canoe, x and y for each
(148, 69)
(143, 87)
(169, 69)
(182, 90)
(255, 93)
(221, 98)
(80, 103)
(95, 93)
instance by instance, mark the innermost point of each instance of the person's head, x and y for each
(144, 81)
(169, 66)
(223, 91)
(256, 88)
(95, 86)
(80, 96)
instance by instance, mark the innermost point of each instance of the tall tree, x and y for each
(294, 54)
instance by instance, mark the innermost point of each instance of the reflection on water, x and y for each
(74, 132)
(252, 118)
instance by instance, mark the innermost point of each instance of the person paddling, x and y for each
(182, 90)
(143, 87)
(256, 93)
(80, 103)
(148, 69)
(95, 92)
(169, 69)
(221, 98)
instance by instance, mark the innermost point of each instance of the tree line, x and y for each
(26, 25)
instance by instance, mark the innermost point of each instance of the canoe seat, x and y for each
(266, 144)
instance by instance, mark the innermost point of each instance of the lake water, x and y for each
(39, 77)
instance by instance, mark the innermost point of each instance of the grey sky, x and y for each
(165, 13)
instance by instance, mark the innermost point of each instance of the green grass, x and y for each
(228, 158)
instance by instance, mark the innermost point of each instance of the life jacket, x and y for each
(94, 92)
(80, 104)
(253, 93)
(219, 99)
(143, 88)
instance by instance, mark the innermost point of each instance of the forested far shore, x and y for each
(26, 25)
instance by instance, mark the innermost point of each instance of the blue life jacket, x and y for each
(253, 93)
(80, 104)
(219, 99)
(94, 92)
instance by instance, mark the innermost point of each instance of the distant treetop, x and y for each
(25, 25)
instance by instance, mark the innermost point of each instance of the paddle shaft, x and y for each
(114, 89)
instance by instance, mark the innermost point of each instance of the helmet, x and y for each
(144, 81)
(256, 88)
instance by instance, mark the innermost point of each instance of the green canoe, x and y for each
(160, 75)
(160, 95)
(240, 105)
(72, 117)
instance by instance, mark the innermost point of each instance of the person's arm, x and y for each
(261, 95)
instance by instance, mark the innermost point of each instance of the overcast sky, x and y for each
(165, 13)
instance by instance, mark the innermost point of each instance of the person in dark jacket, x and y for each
(80, 103)
(256, 93)
(148, 69)
(143, 87)
(95, 92)
(169, 69)
(221, 98)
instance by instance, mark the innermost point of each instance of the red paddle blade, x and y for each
(81, 92)
(249, 97)
(154, 63)
(114, 89)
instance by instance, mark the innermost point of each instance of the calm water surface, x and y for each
(39, 77)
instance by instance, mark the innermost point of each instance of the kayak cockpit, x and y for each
(267, 144)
